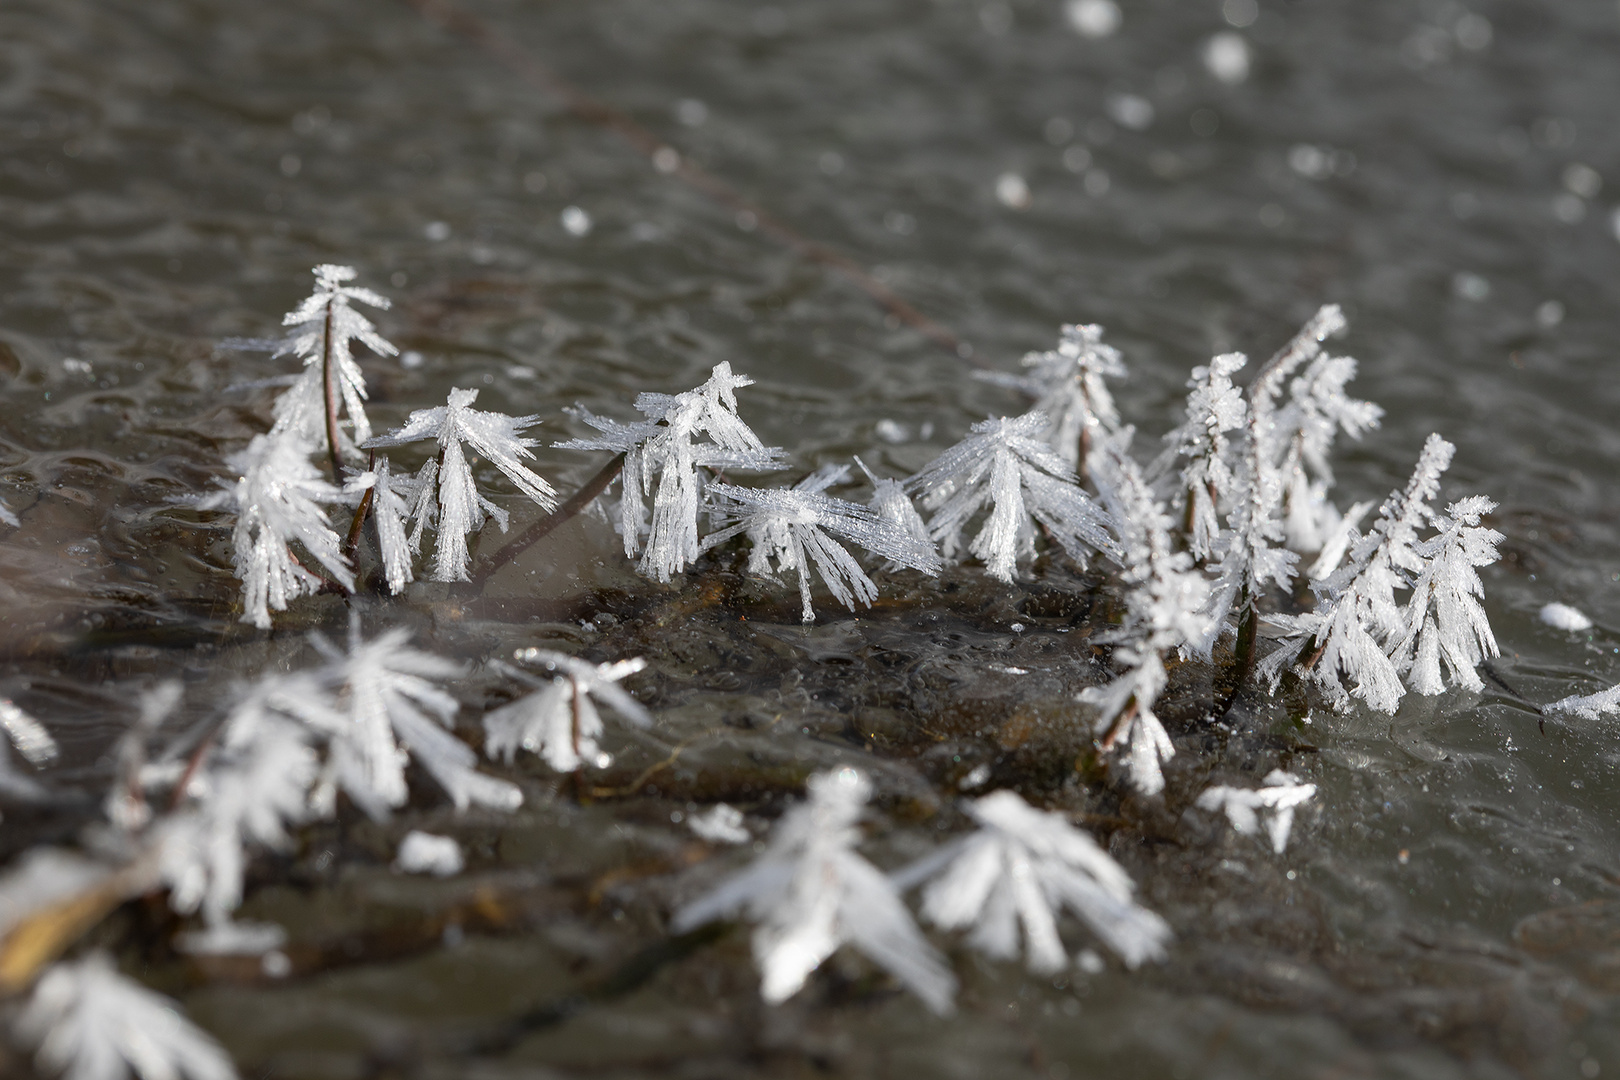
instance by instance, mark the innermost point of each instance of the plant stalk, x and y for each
(329, 392)
(578, 501)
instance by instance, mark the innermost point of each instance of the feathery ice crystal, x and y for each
(279, 500)
(1587, 706)
(1317, 409)
(91, 1023)
(1359, 624)
(1278, 796)
(1067, 386)
(1162, 612)
(663, 445)
(791, 525)
(810, 892)
(559, 721)
(1005, 462)
(326, 327)
(387, 695)
(445, 489)
(1023, 867)
(1252, 557)
(1214, 407)
(391, 499)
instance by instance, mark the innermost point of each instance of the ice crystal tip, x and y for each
(1023, 868)
(811, 892)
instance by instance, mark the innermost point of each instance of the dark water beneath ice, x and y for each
(170, 170)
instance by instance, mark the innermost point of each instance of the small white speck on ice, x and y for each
(1564, 617)
(424, 853)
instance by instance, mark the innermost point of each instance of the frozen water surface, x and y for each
(1447, 903)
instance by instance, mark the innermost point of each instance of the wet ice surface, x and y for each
(171, 171)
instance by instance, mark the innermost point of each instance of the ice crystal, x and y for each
(43, 878)
(810, 892)
(1214, 407)
(1252, 558)
(890, 502)
(663, 445)
(255, 785)
(91, 1023)
(9, 516)
(1563, 617)
(560, 721)
(1067, 386)
(1023, 868)
(1445, 622)
(1164, 608)
(795, 527)
(387, 701)
(1359, 618)
(325, 328)
(1587, 706)
(1318, 409)
(391, 501)
(1005, 463)
(28, 735)
(279, 500)
(424, 853)
(1278, 796)
(723, 824)
(445, 489)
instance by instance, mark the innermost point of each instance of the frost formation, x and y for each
(560, 721)
(1279, 795)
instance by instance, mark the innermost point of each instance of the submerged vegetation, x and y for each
(1202, 548)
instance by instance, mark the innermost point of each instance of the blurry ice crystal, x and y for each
(1277, 798)
(424, 853)
(1076, 158)
(691, 112)
(1013, 191)
(436, 230)
(723, 824)
(1564, 617)
(411, 359)
(1022, 868)
(666, 159)
(1226, 55)
(1549, 314)
(811, 892)
(1310, 161)
(28, 735)
(91, 1023)
(1570, 209)
(1240, 13)
(560, 721)
(1582, 180)
(1093, 18)
(891, 431)
(1131, 111)
(575, 222)
(1096, 183)
(1469, 286)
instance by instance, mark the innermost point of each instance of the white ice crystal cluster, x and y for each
(91, 1023)
(284, 504)
(1021, 870)
(665, 446)
(559, 720)
(1363, 635)
(796, 527)
(1277, 797)
(1164, 612)
(1067, 387)
(811, 892)
(1007, 465)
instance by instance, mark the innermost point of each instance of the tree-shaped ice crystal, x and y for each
(445, 490)
(810, 892)
(1023, 867)
(560, 721)
(1279, 795)
(1067, 386)
(1445, 622)
(1214, 407)
(795, 527)
(1005, 463)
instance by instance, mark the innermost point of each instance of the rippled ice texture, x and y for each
(169, 171)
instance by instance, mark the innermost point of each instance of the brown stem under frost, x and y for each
(578, 501)
(329, 393)
(351, 543)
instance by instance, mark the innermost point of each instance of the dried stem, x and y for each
(578, 501)
(351, 544)
(329, 390)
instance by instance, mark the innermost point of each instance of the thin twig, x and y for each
(329, 392)
(351, 545)
(578, 501)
